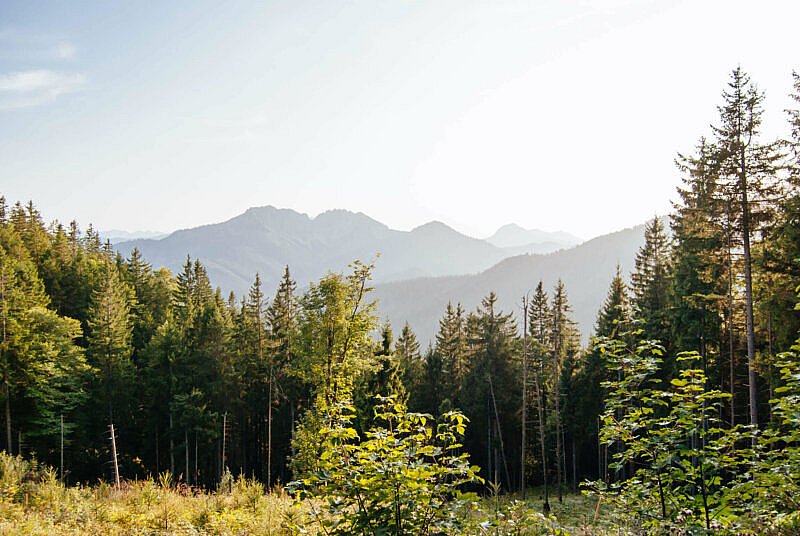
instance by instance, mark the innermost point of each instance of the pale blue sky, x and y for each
(550, 114)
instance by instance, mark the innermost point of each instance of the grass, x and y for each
(34, 502)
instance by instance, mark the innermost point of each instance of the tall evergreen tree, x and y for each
(747, 169)
(282, 316)
(538, 327)
(650, 282)
(109, 340)
(410, 362)
(493, 384)
(451, 347)
(564, 344)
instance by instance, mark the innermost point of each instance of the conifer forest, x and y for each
(140, 401)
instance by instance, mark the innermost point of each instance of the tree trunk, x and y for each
(269, 435)
(540, 411)
(171, 448)
(730, 328)
(559, 460)
(748, 294)
(186, 449)
(524, 394)
(8, 414)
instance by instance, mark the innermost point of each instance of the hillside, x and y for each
(586, 270)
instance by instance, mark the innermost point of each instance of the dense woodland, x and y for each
(684, 395)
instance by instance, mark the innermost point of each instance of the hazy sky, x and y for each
(550, 114)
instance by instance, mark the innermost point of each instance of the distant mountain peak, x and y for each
(510, 227)
(433, 225)
(514, 235)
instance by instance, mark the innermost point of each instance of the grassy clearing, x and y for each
(34, 502)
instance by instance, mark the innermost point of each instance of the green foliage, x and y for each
(678, 456)
(334, 349)
(403, 478)
(771, 499)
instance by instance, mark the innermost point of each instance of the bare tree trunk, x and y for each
(114, 451)
(171, 447)
(186, 450)
(158, 469)
(540, 411)
(574, 466)
(8, 414)
(559, 456)
(269, 434)
(61, 465)
(748, 293)
(524, 393)
(224, 437)
(730, 326)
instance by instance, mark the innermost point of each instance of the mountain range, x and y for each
(417, 272)
(265, 239)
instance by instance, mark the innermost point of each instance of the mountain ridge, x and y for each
(264, 239)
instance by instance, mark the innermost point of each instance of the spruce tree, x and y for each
(282, 316)
(109, 340)
(650, 282)
(704, 263)
(538, 328)
(564, 344)
(451, 348)
(747, 170)
(493, 382)
(411, 365)
(615, 307)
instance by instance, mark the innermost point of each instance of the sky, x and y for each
(552, 114)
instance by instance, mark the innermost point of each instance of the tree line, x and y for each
(198, 384)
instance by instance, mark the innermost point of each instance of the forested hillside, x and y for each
(586, 270)
(681, 413)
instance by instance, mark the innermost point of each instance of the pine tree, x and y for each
(650, 282)
(538, 347)
(493, 382)
(410, 362)
(451, 348)
(615, 308)
(282, 318)
(585, 392)
(704, 291)
(748, 171)
(385, 380)
(152, 295)
(564, 344)
(109, 339)
(540, 315)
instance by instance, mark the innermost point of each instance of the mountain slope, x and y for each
(586, 270)
(265, 239)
